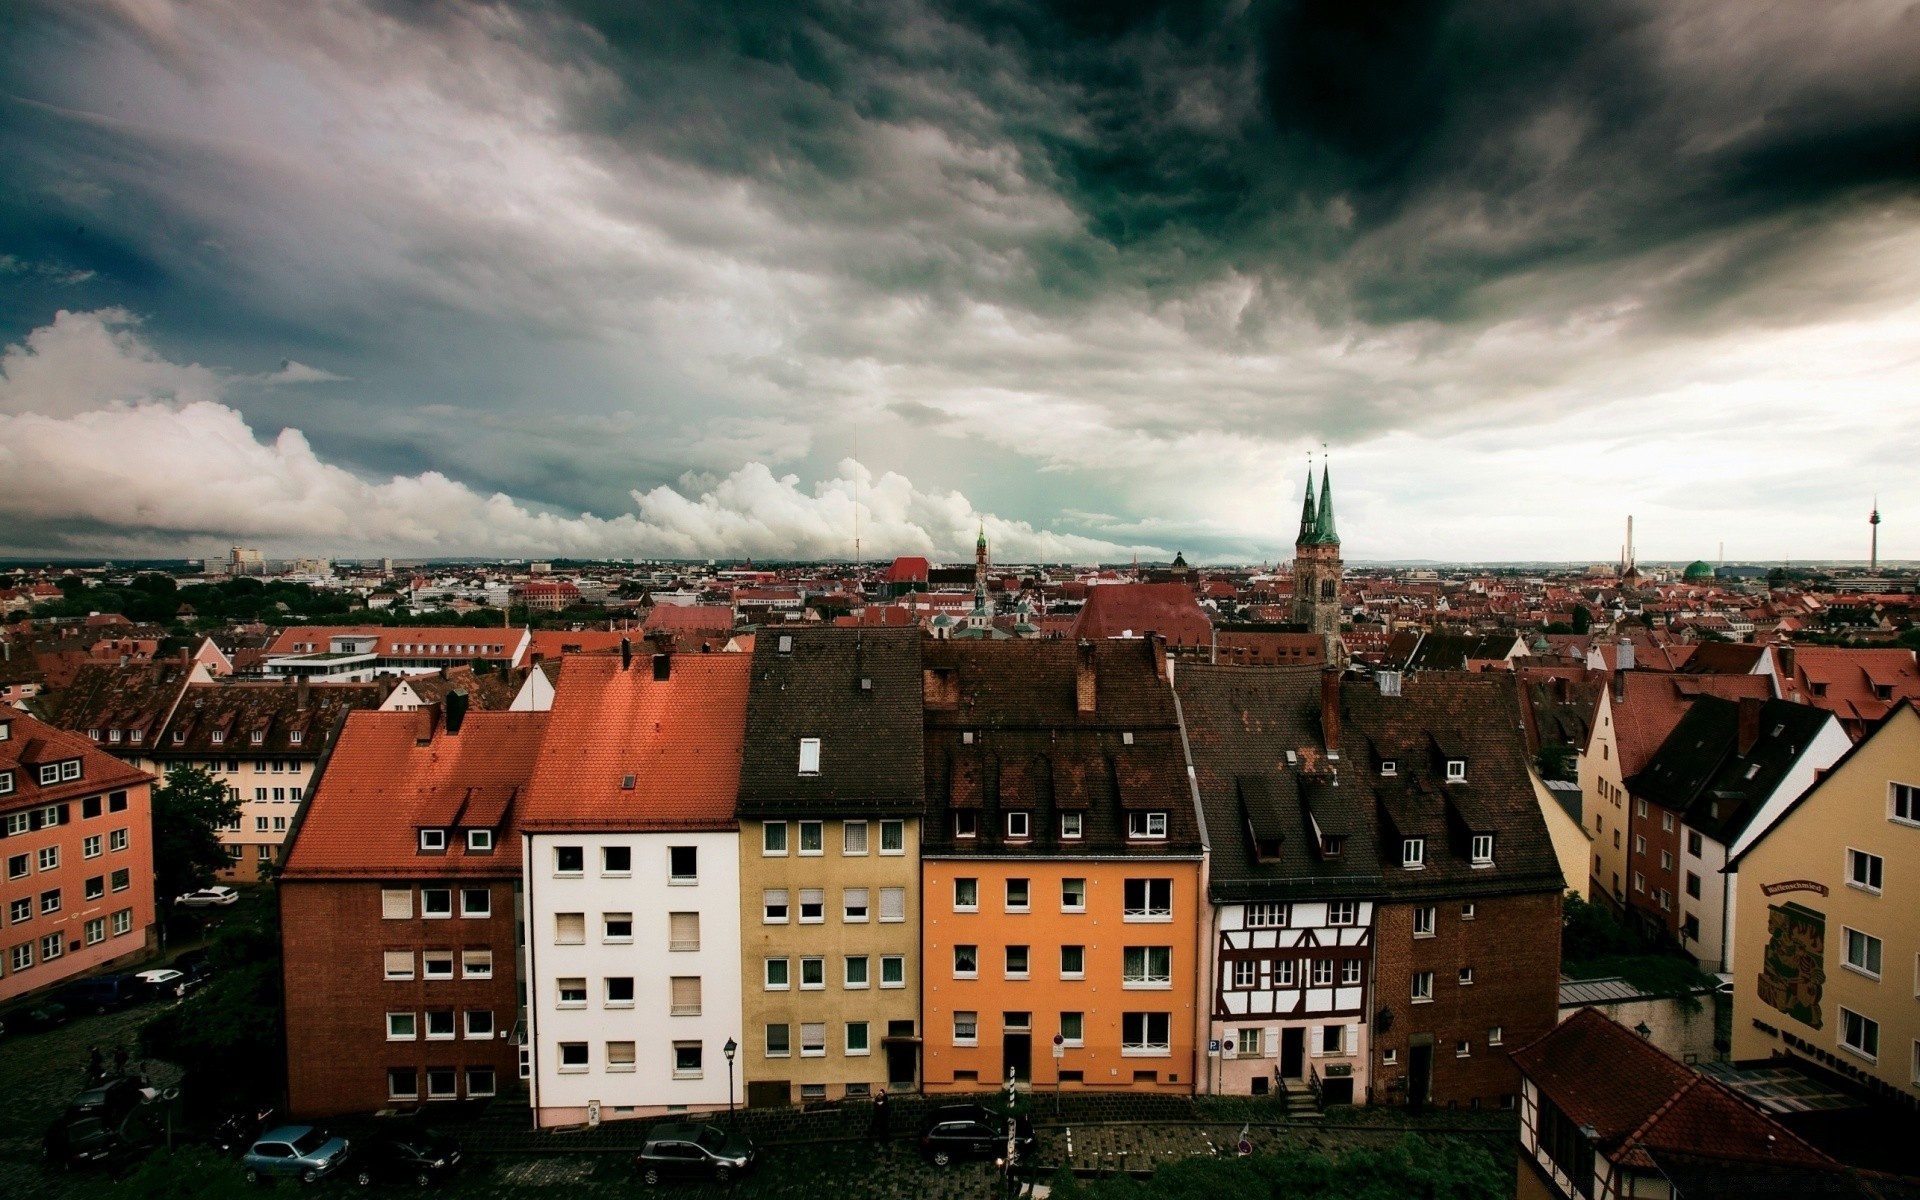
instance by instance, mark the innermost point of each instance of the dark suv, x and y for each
(418, 1157)
(969, 1131)
(689, 1151)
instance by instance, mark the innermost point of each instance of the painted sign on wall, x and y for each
(1793, 970)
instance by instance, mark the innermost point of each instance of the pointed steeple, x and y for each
(1324, 533)
(1306, 512)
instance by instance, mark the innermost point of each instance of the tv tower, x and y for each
(1873, 522)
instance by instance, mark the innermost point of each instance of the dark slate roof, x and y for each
(1243, 721)
(1700, 771)
(276, 710)
(105, 697)
(1559, 705)
(869, 736)
(1414, 651)
(1034, 750)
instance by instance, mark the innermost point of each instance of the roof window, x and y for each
(1413, 853)
(218, 736)
(433, 839)
(786, 643)
(809, 756)
(1456, 770)
(1389, 766)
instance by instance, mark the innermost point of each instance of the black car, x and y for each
(689, 1151)
(969, 1131)
(102, 993)
(109, 1100)
(418, 1157)
(37, 1019)
(96, 1138)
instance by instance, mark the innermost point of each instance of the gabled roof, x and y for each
(1417, 651)
(234, 712)
(1702, 771)
(695, 618)
(1646, 705)
(1857, 685)
(858, 691)
(31, 743)
(392, 773)
(1558, 705)
(552, 643)
(1903, 721)
(1723, 658)
(678, 739)
(1137, 609)
(139, 696)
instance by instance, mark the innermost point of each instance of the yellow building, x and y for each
(1603, 795)
(829, 809)
(1826, 921)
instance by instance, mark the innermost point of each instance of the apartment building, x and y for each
(831, 790)
(1292, 883)
(76, 837)
(399, 901)
(631, 862)
(1827, 921)
(1060, 869)
(1725, 773)
(357, 654)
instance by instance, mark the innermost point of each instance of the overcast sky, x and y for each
(635, 278)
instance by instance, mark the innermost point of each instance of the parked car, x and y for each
(302, 1152)
(162, 983)
(960, 1131)
(101, 993)
(418, 1157)
(207, 897)
(37, 1019)
(683, 1150)
(78, 1141)
(110, 1100)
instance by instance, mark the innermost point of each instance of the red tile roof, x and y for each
(552, 643)
(30, 744)
(679, 740)
(1168, 609)
(699, 618)
(420, 641)
(906, 570)
(387, 777)
(1656, 700)
(1848, 682)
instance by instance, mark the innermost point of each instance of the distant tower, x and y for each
(980, 561)
(1629, 570)
(1317, 569)
(1873, 564)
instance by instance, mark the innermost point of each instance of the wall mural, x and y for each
(1793, 970)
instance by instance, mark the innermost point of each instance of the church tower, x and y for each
(1317, 569)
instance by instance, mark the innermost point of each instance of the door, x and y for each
(1017, 1056)
(1419, 1076)
(1293, 1052)
(769, 1093)
(901, 1062)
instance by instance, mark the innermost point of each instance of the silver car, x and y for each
(300, 1151)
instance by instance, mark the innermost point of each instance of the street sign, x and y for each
(1059, 1039)
(1213, 1045)
(1059, 1051)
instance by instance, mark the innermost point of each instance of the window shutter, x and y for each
(686, 995)
(1353, 1039)
(570, 929)
(683, 931)
(1314, 1042)
(396, 904)
(893, 904)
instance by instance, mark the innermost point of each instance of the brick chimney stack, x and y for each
(1330, 708)
(1749, 722)
(1084, 680)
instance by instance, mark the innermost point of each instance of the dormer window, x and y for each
(60, 772)
(809, 756)
(1126, 739)
(966, 824)
(433, 840)
(1389, 766)
(259, 737)
(1019, 825)
(1456, 770)
(6, 783)
(1332, 845)
(966, 737)
(1413, 853)
(180, 735)
(1147, 825)
(137, 736)
(218, 736)
(94, 734)
(786, 643)
(480, 841)
(296, 736)
(1482, 847)
(1070, 826)
(113, 735)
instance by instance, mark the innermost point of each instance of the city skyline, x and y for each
(543, 280)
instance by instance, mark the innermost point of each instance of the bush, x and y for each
(1437, 1168)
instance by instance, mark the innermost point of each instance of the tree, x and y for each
(189, 810)
(235, 1019)
(1582, 618)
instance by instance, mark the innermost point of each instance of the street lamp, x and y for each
(730, 1049)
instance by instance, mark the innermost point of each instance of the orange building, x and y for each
(76, 837)
(1060, 869)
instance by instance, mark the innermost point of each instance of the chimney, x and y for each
(1785, 654)
(626, 654)
(1749, 722)
(1619, 687)
(456, 710)
(1330, 708)
(302, 694)
(1084, 679)
(1624, 659)
(662, 667)
(430, 723)
(1157, 646)
(186, 657)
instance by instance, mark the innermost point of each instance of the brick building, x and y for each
(398, 903)
(76, 836)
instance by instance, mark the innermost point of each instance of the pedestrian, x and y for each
(879, 1130)
(96, 1065)
(119, 1060)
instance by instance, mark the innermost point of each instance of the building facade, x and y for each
(830, 798)
(76, 839)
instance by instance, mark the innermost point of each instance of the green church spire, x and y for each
(1324, 533)
(1306, 512)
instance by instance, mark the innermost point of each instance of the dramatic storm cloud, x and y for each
(461, 273)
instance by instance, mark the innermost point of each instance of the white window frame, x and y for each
(894, 832)
(1868, 942)
(1877, 866)
(479, 841)
(1147, 826)
(1413, 853)
(819, 831)
(1065, 905)
(1019, 825)
(1456, 770)
(775, 898)
(809, 756)
(1072, 827)
(960, 905)
(403, 1027)
(847, 839)
(1903, 793)
(899, 962)
(1867, 1023)
(767, 847)
(1482, 850)
(1423, 987)
(966, 1028)
(433, 839)
(1425, 918)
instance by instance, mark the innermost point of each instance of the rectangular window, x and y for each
(683, 931)
(1145, 1033)
(570, 992)
(683, 865)
(1073, 962)
(117, 840)
(1860, 1034)
(399, 964)
(476, 964)
(966, 1028)
(436, 903)
(90, 847)
(433, 840)
(1482, 849)
(22, 956)
(778, 975)
(616, 861)
(478, 1025)
(570, 929)
(260, 826)
(1019, 896)
(966, 823)
(1146, 967)
(52, 946)
(1693, 885)
(1343, 912)
(966, 895)
(809, 756)
(1323, 972)
(1147, 900)
(1350, 969)
(813, 1039)
(779, 1044)
(1073, 1028)
(620, 1057)
(1249, 1043)
(20, 910)
(893, 904)
(1863, 952)
(773, 839)
(1246, 974)
(1903, 803)
(1152, 825)
(479, 1081)
(773, 906)
(1019, 825)
(476, 902)
(1865, 871)
(966, 962)
(853, 838)
(619, 991)
(1693, 843)
(96, 887)
(857, 1042)
(1422, 987)
(856, 976)
(616, 927)
(813, 906)
(49, 858)
(1495, 1035)
(120, 880)
(96, 931)
(1017, 962)
(1639, 844)
(1413, 853)
(686, 996)
(853, 906)
(1073, 895)
(1268, 916)
(573, 1058)
(569, 860)
(436, 964)
(403, 1083)
(1466, 976)
(813, 973)
(893, 837)
(479, 841)
(1070, 826)
(893, 970)
(1423, 920)
(1666, 860)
